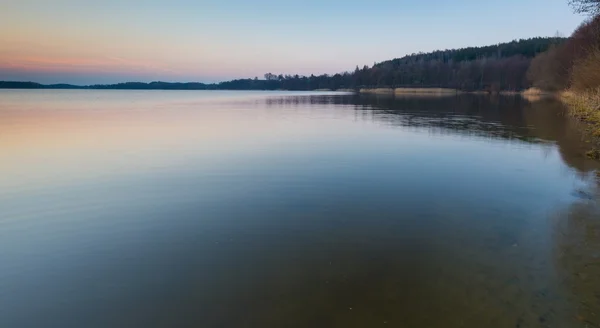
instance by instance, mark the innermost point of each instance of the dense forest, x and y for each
(497, 67)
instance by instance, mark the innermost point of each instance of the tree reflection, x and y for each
(510, 118)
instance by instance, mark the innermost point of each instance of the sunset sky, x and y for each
(85, 42)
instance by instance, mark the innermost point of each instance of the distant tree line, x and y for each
(498, 67)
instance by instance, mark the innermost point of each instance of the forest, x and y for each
(492, 68)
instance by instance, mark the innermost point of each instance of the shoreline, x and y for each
(585, 107)
(531, 93)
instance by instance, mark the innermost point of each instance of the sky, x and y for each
(110, 41)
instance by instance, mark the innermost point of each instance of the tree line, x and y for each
(496, 67)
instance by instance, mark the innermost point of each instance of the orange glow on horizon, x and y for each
(81, 64)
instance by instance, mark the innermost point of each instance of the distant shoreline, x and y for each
(485, 69)
(198, 86)
(531, 93)
(420, 91)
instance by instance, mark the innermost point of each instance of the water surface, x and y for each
(281, 209)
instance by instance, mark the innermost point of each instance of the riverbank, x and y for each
(585, 106)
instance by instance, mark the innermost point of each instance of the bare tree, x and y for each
(591, 7)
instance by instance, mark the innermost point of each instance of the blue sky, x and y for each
(182, 40)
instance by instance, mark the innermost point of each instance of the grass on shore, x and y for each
(434, 91)
(378, 91)
(535, 94)
(585, 106)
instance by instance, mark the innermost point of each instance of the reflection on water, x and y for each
(273, 209)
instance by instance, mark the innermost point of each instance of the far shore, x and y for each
(531, 94)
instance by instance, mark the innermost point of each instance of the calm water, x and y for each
(273, 209)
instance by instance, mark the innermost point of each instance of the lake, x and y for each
(294, 209)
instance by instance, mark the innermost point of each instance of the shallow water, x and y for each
(282, 209)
